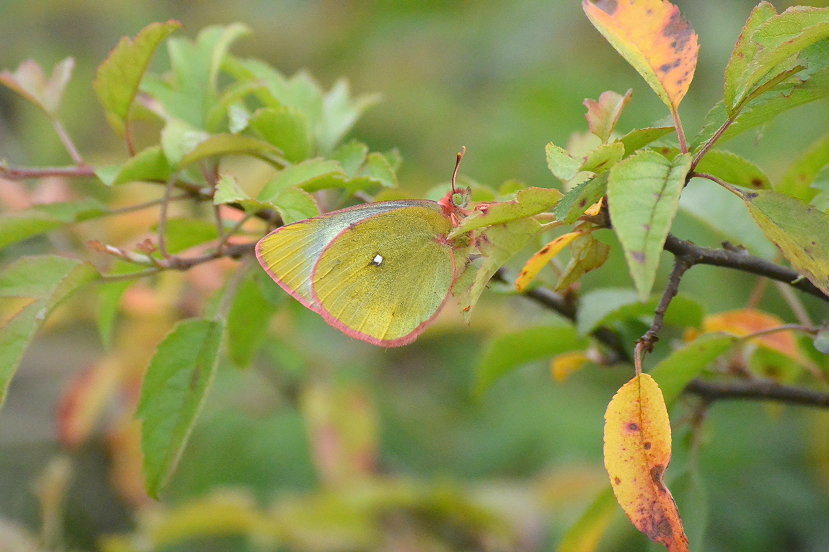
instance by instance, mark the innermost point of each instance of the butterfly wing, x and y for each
(384, 279)
(288, 254)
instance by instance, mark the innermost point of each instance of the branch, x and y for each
(23, 173)
(758, 390)
(740, 260)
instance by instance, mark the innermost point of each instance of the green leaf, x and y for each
(148, 165)
(339, 113)
(528, 202)
(800, 175)
(182, 233)
(641, 137)
(563, 165)
(683, 365)
(247, 322)
(498, 245)
(729, 167)
(46, 280)
(602, 115)
(586, 254)
(109, 301)
(375, 170)
(766, 107)
(604, 306)
(172, 393)
(576, 201)
(800, 232)
(643, 193)
(286, 128)
(351, 156)
(586, 534)
(305, 175)
(119, 76)
(228, 144)
(603, 158)
(510, 351)
(179, 139)
(778, 38)
(21, 225)
(744, 51)
(30, 82)
(294, 204)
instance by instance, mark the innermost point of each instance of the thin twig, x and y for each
(710, 143)
(67, 142)
(782, 328)
(795, 304)
(645, 343)
(24, 173)
(131, 275)
(145, 205)
(162, 220)
(733, 189)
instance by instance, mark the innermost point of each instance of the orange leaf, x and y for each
(743, 322)
(567, 363)
(83, 403)
(637, 451)
(654, 38)
(538, 261)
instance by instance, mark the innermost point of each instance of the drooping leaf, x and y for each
(641, 137)
(45, 280)
(541, 258)
(287, 129)
(247, 322)
(637, 451)
(586, 534)
(677, 370)
(579, 199)
(119, 76)
(744, 51)
(643, 192)
(654, 38)
(586, 254)
(30, 81)
(510, 351)
(528, 202)
(776, 38)
(603, 114)
(497, 244)
(563, 165)
(801, 173)
(172, 393)
(21, 225)
(800, 232)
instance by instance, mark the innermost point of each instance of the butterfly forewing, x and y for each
(383, 279)
(289, 253)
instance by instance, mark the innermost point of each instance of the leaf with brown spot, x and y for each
(544, 255)
(603, 114)
(800, 232)
(654, 38)
(637, 451)
(586, 254)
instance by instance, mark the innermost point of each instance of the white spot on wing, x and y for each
(377, 260)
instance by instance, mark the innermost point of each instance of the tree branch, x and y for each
(758, 390)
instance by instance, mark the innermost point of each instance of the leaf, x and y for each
(541, 258)
(339, 113)
(375, 170)
(228, 144)
(118, 77)
(351, 156)
(172, 393)
(676, 371)
(734, 169)
(777, 38)
(528, 202)
(643, 192)
(603, 158)
(602, 115)
(800, 175)
(46, 280)
(641, 137)
(637, 451)
(507, 352)
(496, 245)
(247, 322)
(179, 139)
(21, 225)
(654, 38)
(822, 342)
(295, 204)
(579, 199)
(182, 233)
(29, 81)
(601, 307)
(304, 174)
(800, 232)
(566, 364)
(109, 301)
(563, 165)
(742, 322)
(148, 165)
(286, 128)
(586, 534)
(744, 51)
(586, 254)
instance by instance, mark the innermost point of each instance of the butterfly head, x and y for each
(455, 202)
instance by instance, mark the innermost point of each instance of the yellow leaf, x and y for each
(567, 363)
(654, 38)
(637, 451)
(541, 258)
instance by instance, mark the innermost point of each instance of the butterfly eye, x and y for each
(459, 199)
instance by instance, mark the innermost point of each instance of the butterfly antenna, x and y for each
(457, 166)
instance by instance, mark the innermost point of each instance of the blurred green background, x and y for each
(502, 78)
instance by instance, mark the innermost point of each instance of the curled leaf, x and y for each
(543, 256)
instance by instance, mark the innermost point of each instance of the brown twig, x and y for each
(24, 173)
(645, 343)
(763, 390)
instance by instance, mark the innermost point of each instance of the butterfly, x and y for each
(378, 272)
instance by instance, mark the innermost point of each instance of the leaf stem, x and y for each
(680, 132)
(733, 189)
(67, 142)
